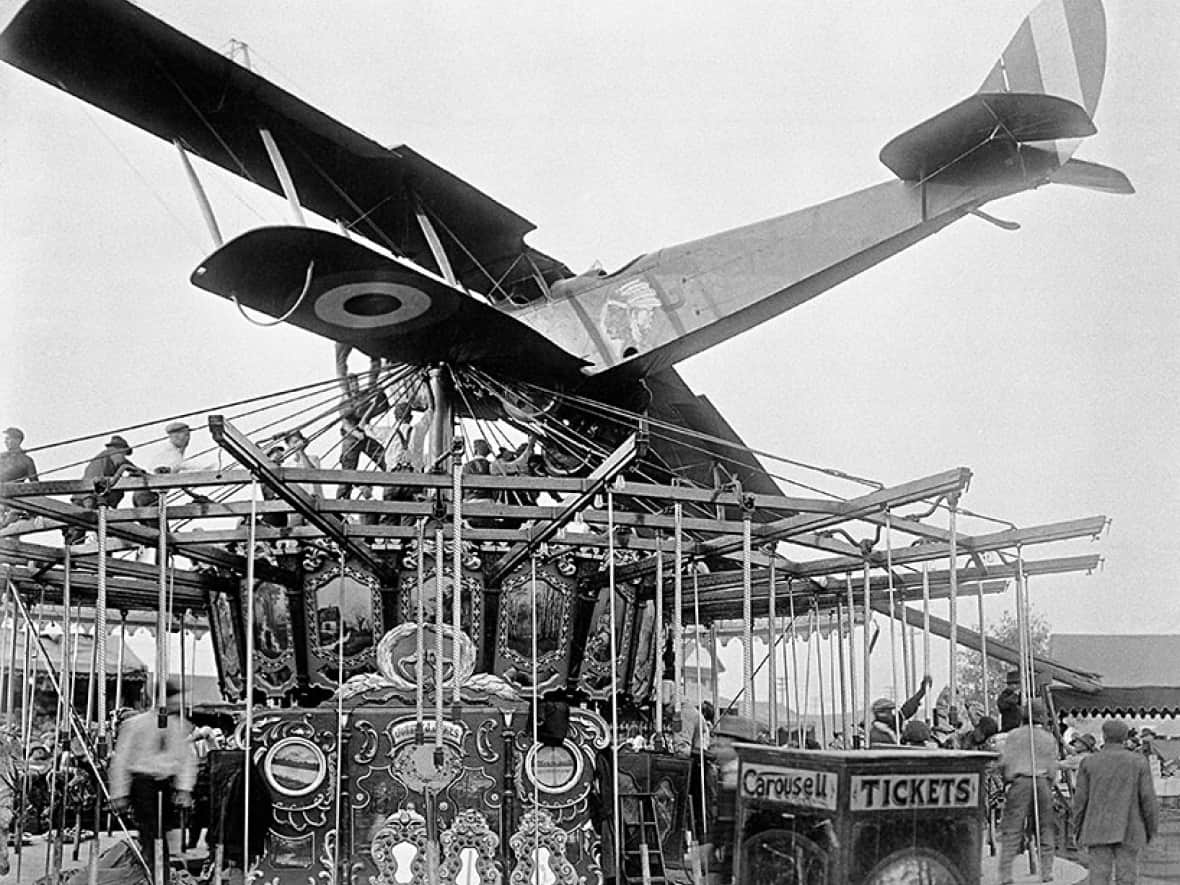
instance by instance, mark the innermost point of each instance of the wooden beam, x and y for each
(18, 552)
(1008, 539)
(613, 465)
(907, 493)
(1078, 679)
(128, 593)
(143, 536)
(240, 447)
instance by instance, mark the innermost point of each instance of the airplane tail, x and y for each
(1028, 117)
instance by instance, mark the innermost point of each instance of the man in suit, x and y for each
(1115, 808)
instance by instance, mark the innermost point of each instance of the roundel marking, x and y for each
(371, 305)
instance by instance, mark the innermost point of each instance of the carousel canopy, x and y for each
(1140, 674)
(84, 646)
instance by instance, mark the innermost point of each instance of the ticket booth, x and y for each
(858, 817)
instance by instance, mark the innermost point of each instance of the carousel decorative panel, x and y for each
(535, 615)
(341, 603)
(228, 643)
(274, 639)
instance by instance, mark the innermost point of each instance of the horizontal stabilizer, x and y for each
(982, 133)
(1093, 176)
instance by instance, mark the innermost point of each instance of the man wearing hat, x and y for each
(1029, 765)
(104, 471)
(1009, 702)
(154, 761)
(885, 730)
(1115, 808)
(15, 466)
(167, 456)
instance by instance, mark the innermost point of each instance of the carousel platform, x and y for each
(1065, 872)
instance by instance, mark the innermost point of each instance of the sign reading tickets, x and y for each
(798, 786)
(914, 791)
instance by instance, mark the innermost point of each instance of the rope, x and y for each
(439, 605)
(614, 676)
(794, 656)
(536, 711)
(457, 561)
(819, 678)
(419, 635)
(249, 733)
(340, 748)
(846, 737)
(701, 738)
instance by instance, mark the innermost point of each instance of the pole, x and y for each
(868, 674)
(457, 558)
(771, 640)
(846, 737)
(616, 844)
(926, 632)
(895, 687)
(747, 621)
(983, 649)
(247, 740)
(678, 606)
(852, 687)
(953, 503)
(660, 638)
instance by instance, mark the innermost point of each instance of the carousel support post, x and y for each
(926, 634)
(660, 638)
(846, 737)
(61, 739)
(10, 701)
(28, 683)
(953, 554)
(337, 867)
(716, 675)
(748, 707)
(983, 650)
(852, 686)
(794, 657)
(678, 607)
(771, 643)
(457, 449)
(895, 688)
(247, 738)
(616, 821)
(100, 673)
(819, 678)
(868, 647)
(702, 733)
(7, 642)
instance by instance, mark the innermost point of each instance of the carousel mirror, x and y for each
(596, 662)
(468, 867)
(403, 858)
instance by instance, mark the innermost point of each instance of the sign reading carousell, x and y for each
(798, 786)
(907, 791)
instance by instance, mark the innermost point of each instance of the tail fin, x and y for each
(1060, 49)
(1029, 115)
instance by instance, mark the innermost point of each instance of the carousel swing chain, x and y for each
(866, 655)
(457, 448)
(536, 708)
(660, 637)
(677, 603)
(852, 678)
(894, 689)
(794, 656)
(772, 641)
(747, 620)
(953, 573)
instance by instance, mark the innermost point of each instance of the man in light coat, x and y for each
(1115, 808)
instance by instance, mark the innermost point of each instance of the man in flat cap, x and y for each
(888, 721)
(1029, 764)
(168, 456)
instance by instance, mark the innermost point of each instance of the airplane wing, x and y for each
(119, 58)
(341, 289)
(691, 457)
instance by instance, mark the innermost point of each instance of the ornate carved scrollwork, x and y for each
(470, 833)
(400, 846)
(539, 842)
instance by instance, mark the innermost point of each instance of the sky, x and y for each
(1044, 359)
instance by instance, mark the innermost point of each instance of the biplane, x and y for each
(425, 271)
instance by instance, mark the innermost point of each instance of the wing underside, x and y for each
(118, 57)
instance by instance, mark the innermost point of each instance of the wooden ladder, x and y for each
(643, 851)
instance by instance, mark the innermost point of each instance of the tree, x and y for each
(970, 663)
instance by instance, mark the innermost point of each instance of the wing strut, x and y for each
(433, 240)
(284, 176)
(202, 197)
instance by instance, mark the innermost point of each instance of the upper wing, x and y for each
(341, 289)
(119, 58)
